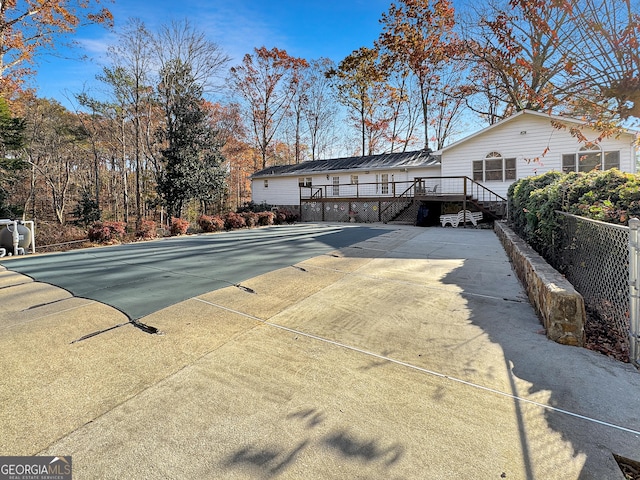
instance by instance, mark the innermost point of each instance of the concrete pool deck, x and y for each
(411, 354)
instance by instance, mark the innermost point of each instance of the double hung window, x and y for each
(494, 167)
(590, 157)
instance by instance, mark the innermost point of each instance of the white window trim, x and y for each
(584, 150)
(494, 155)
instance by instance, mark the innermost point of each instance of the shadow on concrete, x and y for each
(273, 460)
(368, 450)
(269, 462)
(577, 381)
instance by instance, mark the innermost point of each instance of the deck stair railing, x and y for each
(399, 203)
(393, 204)
(485, 199)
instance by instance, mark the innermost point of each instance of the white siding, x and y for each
(526, 138)
(281, 191)
(284, 190)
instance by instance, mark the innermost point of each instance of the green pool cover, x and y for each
(141, 278)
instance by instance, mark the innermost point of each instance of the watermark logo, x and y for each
(35, 468)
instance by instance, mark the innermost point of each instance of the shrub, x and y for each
(610, 196)
(233, 221)
(87, 211)
(210, 223)
(266, 218)
(179, 226)
(284, 215)
(250, 219)
(254, 207)
(107, 232)
(146, 230)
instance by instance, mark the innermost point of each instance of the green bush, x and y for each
(87, 211)
(254, 207)
(610, 196)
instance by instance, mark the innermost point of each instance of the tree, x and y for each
(320, 108)
(606, 56)
(574, 57)
(523, 59)
(419, 36)
(360, 82)
(192, 158)
(226, 120)
(28, 26)
(267, 82)
(299, 100)
(446, 106)
(132, 57)
(406, 107)
(115, 111)
(179, 40)
(55, 148)
(11, 165)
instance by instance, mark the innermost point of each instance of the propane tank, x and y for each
(15, 236)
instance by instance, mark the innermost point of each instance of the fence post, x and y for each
(634, 291)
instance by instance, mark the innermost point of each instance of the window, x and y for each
(266, 184)
(509, 168)
(354, 179)
(336, 186)
(590, 157)
(494, 168)
(611, 160)
(478, 170)
(304, 181)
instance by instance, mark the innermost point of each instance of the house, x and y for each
(531, 143)
(473, 173)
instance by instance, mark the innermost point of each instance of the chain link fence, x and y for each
(595, 258)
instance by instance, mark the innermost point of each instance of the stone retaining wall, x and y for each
(559, 306)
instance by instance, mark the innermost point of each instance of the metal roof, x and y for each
(420, 158)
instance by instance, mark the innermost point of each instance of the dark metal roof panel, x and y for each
(420, 158)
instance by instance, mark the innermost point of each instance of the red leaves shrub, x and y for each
(285, 216)
(250, 219)
(266, 218)
(146, 230)
(210, 224)
(233, 221)
(107, 232)
(179, 226)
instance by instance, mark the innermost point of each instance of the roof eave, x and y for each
(351, 170)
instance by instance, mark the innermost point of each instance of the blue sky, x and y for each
(304, 28)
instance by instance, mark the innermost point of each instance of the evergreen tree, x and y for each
(192, 159)
(11, 142)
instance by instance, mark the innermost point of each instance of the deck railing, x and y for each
(422, 186)
(400, 194)
(354, 190)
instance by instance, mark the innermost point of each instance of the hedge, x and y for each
(610, 196)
